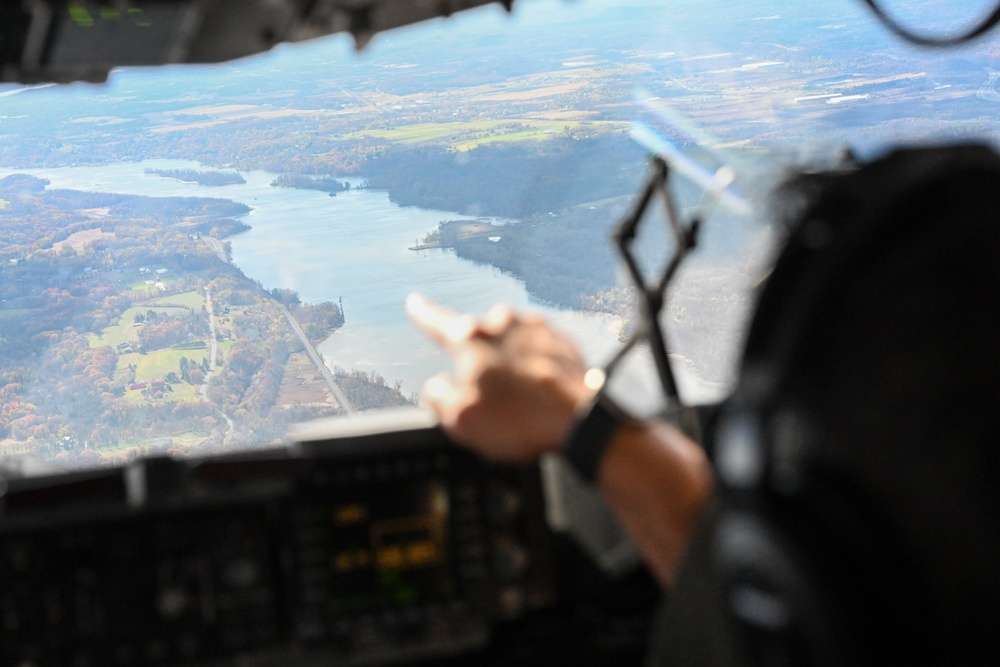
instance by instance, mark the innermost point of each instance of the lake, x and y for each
(354, 248)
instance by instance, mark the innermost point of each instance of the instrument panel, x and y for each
(371, 548)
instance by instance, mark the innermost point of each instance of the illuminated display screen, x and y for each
(135, 36)
(391, 549)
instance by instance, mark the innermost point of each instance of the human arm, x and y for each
(516, 391)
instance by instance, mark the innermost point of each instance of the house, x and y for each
(137, 385)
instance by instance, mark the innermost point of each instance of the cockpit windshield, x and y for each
(194, 258)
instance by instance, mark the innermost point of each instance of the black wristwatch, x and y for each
(588, 441)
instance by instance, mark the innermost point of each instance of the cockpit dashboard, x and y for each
(353, 545)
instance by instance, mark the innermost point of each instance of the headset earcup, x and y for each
(813, 573)
(780, 612)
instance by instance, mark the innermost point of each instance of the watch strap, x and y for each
(590, 437)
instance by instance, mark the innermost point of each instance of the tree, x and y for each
(285, 296)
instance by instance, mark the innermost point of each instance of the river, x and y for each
(352, 247)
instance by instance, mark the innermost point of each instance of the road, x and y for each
(216, 246)
(318, 363)
(212, 357)
(213, 346)
(338, 393)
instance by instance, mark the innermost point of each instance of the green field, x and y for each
(129, 315)
(113, 336)
(184, 440)
(193, 300)
(128, 359)
(413, 134)
(182, 393)
(466, 135)
(139, 283)
(124, 332)
(524, 135)
(16, 313)
(156, 365)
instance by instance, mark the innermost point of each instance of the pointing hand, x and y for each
(516, 386)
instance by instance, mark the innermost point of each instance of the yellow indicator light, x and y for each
(391, 558)
(408, 542)
(403, 557)
(349, 561)
(343, 562)
(346, 515)
(422, 553)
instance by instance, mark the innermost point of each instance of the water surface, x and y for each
(351, 248)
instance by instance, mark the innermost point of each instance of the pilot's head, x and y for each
(860, 456)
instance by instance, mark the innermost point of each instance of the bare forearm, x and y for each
(657, 481)
(517, 387)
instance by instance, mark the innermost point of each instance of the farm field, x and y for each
(156, 365)
(193, 300)
(125, 331)
(466, 135)
(149, 446)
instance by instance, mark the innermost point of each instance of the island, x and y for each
(308, 182)
(200, 177)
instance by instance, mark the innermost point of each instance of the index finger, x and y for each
(447, 327)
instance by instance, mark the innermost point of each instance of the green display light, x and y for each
(138, 16)
(81, 16)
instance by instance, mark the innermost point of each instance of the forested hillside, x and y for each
(509, 180)
(108, 306)
(105, 326)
